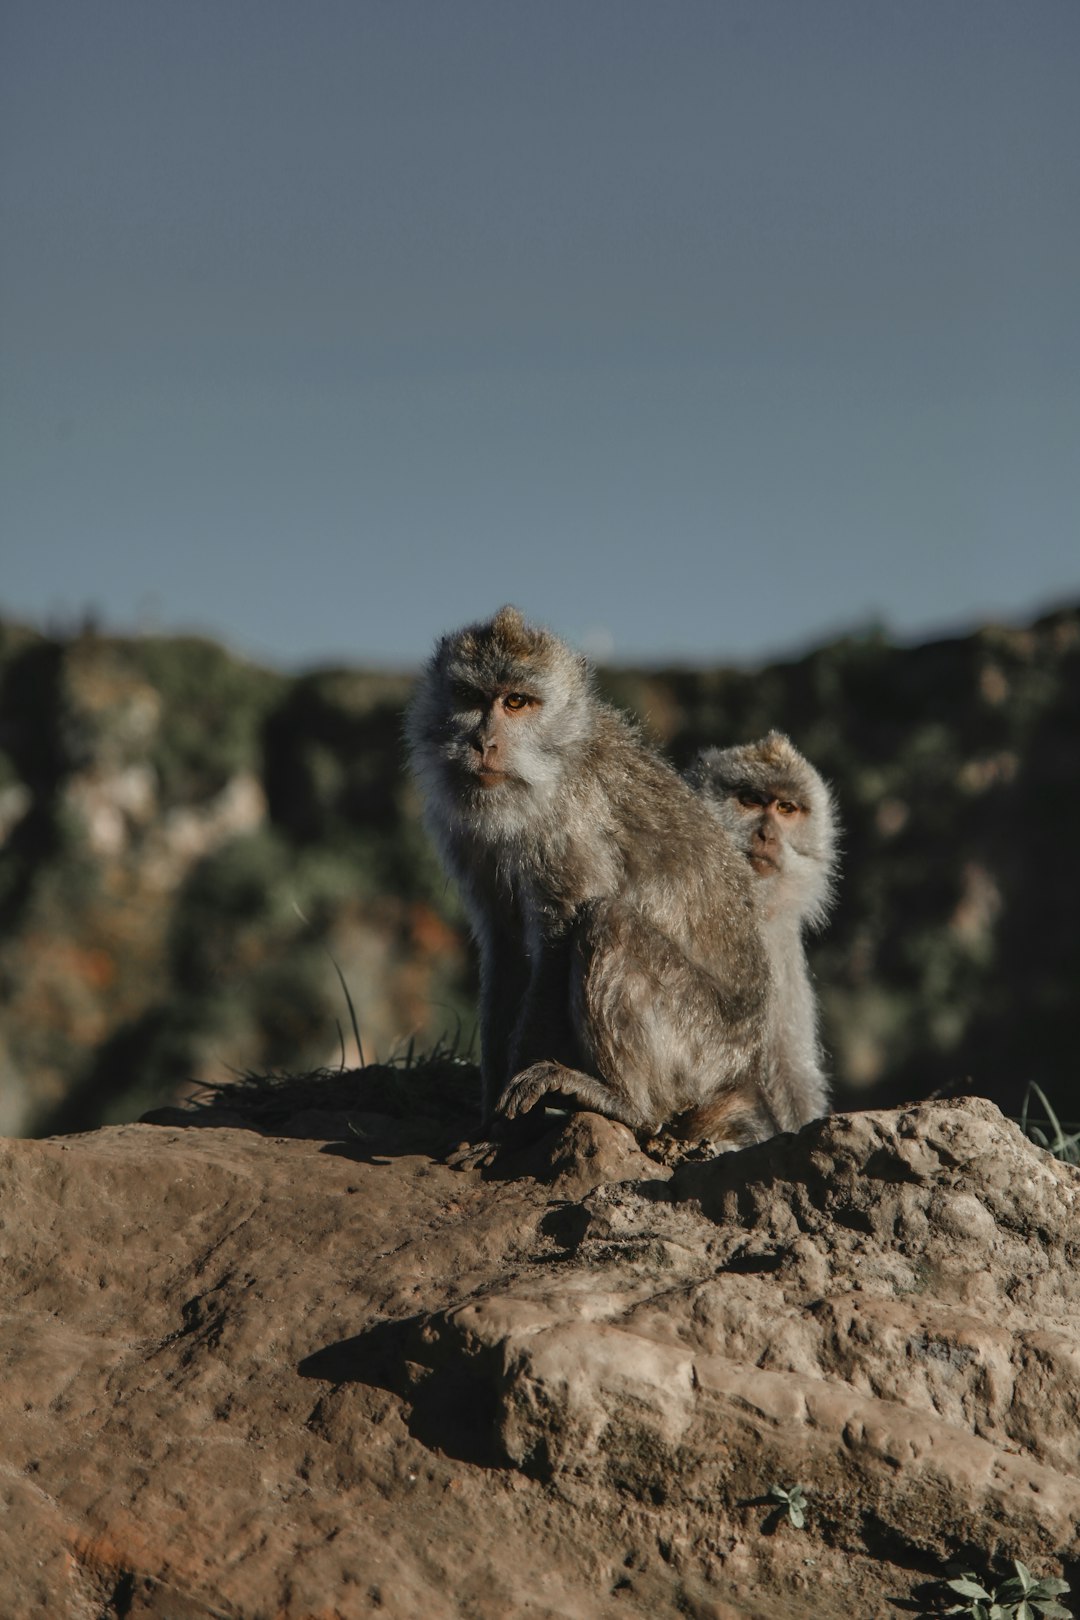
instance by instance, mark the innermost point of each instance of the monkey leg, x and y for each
(669, 1038)
(732, 1118)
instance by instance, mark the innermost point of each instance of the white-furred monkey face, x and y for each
(780, 814)
(768, 828)
(499, 716)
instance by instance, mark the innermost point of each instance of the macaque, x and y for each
(779, 813)
(622, 964)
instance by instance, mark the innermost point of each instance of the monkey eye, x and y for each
(750, 800)
(516, 701)
(786, 808)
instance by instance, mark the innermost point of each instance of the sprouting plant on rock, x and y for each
(1022, 1597)
(792, 1502)
(1062, 1142)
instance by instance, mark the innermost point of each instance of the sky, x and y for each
(701, 329)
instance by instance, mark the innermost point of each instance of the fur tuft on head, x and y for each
(773, 765)
(506, 651)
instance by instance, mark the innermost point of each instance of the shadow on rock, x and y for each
(370, 1115)
(453, 1400)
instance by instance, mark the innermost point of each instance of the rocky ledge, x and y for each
(297, 1365)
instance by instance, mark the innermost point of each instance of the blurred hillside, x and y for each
(187, 840)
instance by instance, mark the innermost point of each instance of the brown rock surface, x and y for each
(323, 1374)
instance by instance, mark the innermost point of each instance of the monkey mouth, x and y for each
(470, 775)
(763, 865)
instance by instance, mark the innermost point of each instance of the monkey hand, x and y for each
(526, 1089)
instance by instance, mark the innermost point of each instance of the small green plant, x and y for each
(792, 1503)
(352, 1011)
(1021, 1597)
(1063, 1143)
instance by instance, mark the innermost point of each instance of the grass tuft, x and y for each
(1062, 1140)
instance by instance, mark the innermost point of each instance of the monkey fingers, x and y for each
(564, 1088)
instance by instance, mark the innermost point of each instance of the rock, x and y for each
(322, 1373)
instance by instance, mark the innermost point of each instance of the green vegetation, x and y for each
(212, 708)
(1063, 1143)
(792, 1502)
(1021, 1597)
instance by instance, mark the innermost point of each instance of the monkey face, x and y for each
(779, 813)
(767, 827)
(502, 738)
(782, 845)
(493, 739)
(498, 717)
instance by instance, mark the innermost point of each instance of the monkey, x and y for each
(622, 965)
(780, 813)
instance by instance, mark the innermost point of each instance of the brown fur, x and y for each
(787, 831)
(622, 967)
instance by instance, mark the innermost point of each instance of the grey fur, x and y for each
(796, 855)
(622, 967)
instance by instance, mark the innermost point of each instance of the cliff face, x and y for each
(290, 1363)
(185, 840)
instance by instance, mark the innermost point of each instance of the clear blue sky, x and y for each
(698, 328)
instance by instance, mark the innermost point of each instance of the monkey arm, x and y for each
(542, 1029)
(498, 930)
(795, 1083)
(545, 1051)
(504, 977)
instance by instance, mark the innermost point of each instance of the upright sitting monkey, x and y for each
(779, 812)
(622, 965)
